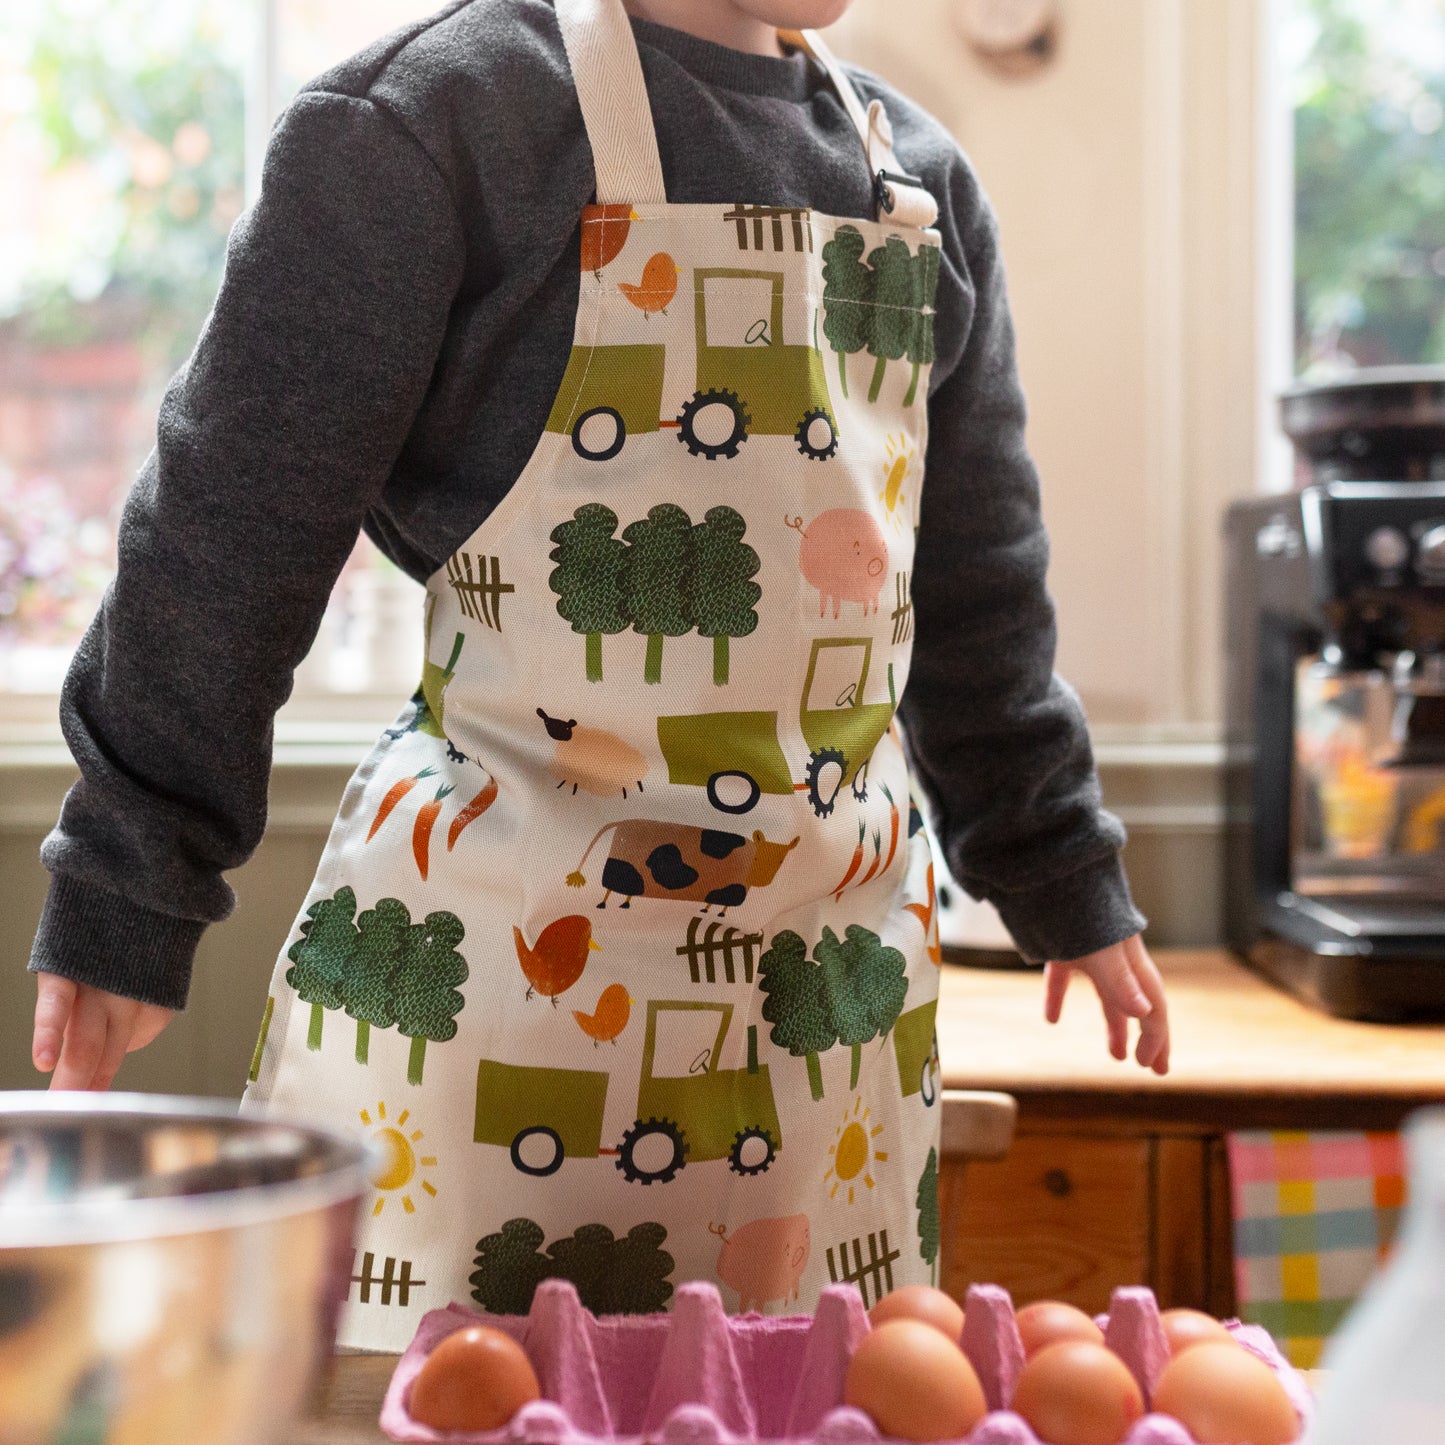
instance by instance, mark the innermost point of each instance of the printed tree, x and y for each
(893, 307)
(796, 1007)
(366, 988)
(927, 1202)
(321, 955)
(611, 1275)
(863, 987)
(424, 999)
(847, 296)
(884, 304)
(720, 593)
(587, 579)
(616, 1276)
(509, 1268)
(920, 334)
(659, 558)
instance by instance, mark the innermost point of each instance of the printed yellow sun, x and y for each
(398, 1162)
(853, 1151)
(897, 460)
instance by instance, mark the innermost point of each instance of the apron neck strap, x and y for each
(901, 198)
(602, 52)
(597, 37)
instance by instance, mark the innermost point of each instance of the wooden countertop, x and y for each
(346, 1410)
(1244, 1052)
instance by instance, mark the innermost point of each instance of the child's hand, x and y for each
(1129, 987)
(84, 1033)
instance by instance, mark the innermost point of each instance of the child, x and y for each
(623, 946)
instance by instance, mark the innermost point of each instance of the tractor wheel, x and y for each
(538, 1171)
(702, 401)
(627, 1153)
(805, 438)
(751, 802)
(599, 454)
(860, 783)
(823, 790)
(743, 1139)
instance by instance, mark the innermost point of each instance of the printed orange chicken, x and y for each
(609, 1018)
(555, 962)
(657, 287)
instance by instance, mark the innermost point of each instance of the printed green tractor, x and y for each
(544, 1115)
(748, 380)
(706, 1113)
(755, 383)
(736, 756)
(915, 1046)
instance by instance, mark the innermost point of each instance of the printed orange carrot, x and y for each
(893, 824)
(473, 810)
(877, 857)
(855, 865)
(426, 816)
(396, 793)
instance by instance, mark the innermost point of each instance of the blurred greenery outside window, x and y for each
(123, 166)
(1367, 86)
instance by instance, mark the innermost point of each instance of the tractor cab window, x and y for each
(686, 1038)
(839, 672)
(739, 311)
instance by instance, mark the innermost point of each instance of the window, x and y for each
(1367, 82)
(124, 155)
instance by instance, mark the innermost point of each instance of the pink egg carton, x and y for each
(699, 1376)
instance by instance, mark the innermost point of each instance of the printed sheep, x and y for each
(598, 762)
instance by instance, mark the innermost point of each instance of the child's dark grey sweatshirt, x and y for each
(394, 320)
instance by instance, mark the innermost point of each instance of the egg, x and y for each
(1186, 1328)
(1220, 1392)
(475, 1379)
(1074, 1392)
(921, 1302)
(1046, 1321)
(914, 1383)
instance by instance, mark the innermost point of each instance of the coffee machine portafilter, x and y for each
(1335, 704)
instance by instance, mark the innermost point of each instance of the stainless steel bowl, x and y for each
(169, 1272)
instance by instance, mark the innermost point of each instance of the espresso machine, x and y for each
(1335, 703)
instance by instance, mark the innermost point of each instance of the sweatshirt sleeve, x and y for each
(998, 741)
(272, 442)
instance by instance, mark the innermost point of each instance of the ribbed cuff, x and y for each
(94, 936)
(1070, 917)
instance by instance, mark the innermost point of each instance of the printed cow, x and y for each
(651, 859)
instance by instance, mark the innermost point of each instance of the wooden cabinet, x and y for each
(1072, 1215)
(1117, 1177)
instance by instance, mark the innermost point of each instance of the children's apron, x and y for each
(622, 949)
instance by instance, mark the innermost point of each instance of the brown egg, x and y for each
(1046, 1322)
(1220, 1392)
(475, 1379)
(1186, 1328)
(914, 1383)
(1075, 1392)
(920, 1302)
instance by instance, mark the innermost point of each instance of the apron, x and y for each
(622, 950)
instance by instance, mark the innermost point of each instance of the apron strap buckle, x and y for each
(883, 196)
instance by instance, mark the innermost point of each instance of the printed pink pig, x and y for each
(845, 556)
(764, 1260)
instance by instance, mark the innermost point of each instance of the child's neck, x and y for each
(720, 21)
